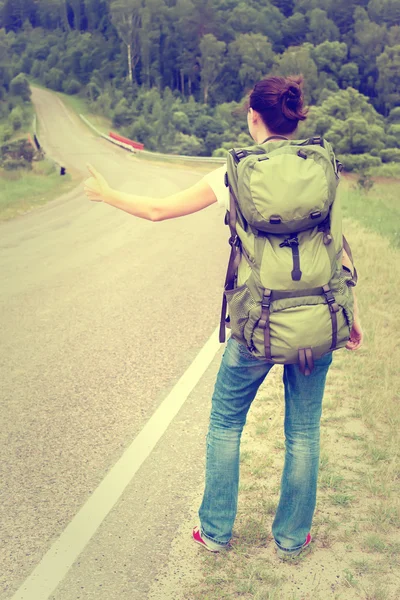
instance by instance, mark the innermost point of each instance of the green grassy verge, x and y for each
(378, 210)
(22, 190)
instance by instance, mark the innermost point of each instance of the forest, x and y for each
(174, 74)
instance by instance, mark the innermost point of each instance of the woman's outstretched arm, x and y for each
(188, 201)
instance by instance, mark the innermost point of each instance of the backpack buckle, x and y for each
(238, 155)
(317, 140)
(234, 241)
(330, 298)
(290, 242)
(266, 300)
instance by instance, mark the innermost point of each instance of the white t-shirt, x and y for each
(216, 180)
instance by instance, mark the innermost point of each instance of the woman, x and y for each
(275, 109)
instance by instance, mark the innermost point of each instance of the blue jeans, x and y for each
(239, 378)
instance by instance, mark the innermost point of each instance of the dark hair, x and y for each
(279, 101)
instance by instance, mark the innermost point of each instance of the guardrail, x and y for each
(178, 157)
(107, 137)
(62, 170)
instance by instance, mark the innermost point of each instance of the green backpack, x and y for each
(287, 294)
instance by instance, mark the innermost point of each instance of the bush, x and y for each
(220, 153)
(6, 133)
(187, 144)
(122, 114)
(18, 150)
(71, 87)
(390, 155)
(181, 122)
(359, 162)
(54, 79)
(204, 125)
(391, 170)
(394, 115)
(11, 164)
(365, 181)
(92, 91)
(142, 132)
(16, 118)
(19, 86)
(212, 142)
(394, 131)
(37, 69)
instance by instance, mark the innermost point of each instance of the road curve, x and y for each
(100, 314)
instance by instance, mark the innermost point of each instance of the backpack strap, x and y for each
(263, 323)
(306, 361)
(234, 258)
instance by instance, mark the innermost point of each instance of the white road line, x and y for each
(59, 559)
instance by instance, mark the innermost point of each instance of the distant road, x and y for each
(100, 314)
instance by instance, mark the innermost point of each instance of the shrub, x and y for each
(6, 133)
(16, 118)
(212, 142)
(71, 87)
(122, 114)
(19, 86)
(141, 131)
(390, 155)
(204, 125)
(359, 162)
(37, 69)
(187, 144)
(92, 91)
(394, 131)
(365, 181)
(54, 79)
(180, 120)
(220, 153)
(391, 170)
(394, 115)
(11, 164)
(18, 150)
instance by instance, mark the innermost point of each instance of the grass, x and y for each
(378, 210)
(22, 190)
(355, 551)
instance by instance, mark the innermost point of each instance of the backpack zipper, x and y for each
(293, 243)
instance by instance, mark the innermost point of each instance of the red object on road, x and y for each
(121, 138)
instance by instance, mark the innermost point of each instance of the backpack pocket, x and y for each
(301, 326)
(240, 304)
(345, 295)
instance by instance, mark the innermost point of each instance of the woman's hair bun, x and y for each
(292, 93)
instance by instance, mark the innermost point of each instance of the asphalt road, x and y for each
(100, 314)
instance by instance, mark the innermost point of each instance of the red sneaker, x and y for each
(205, 542)
(293, 553)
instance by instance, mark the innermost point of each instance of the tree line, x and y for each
(187, 62)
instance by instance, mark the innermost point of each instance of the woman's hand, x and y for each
(96, 187)
(356, 336)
